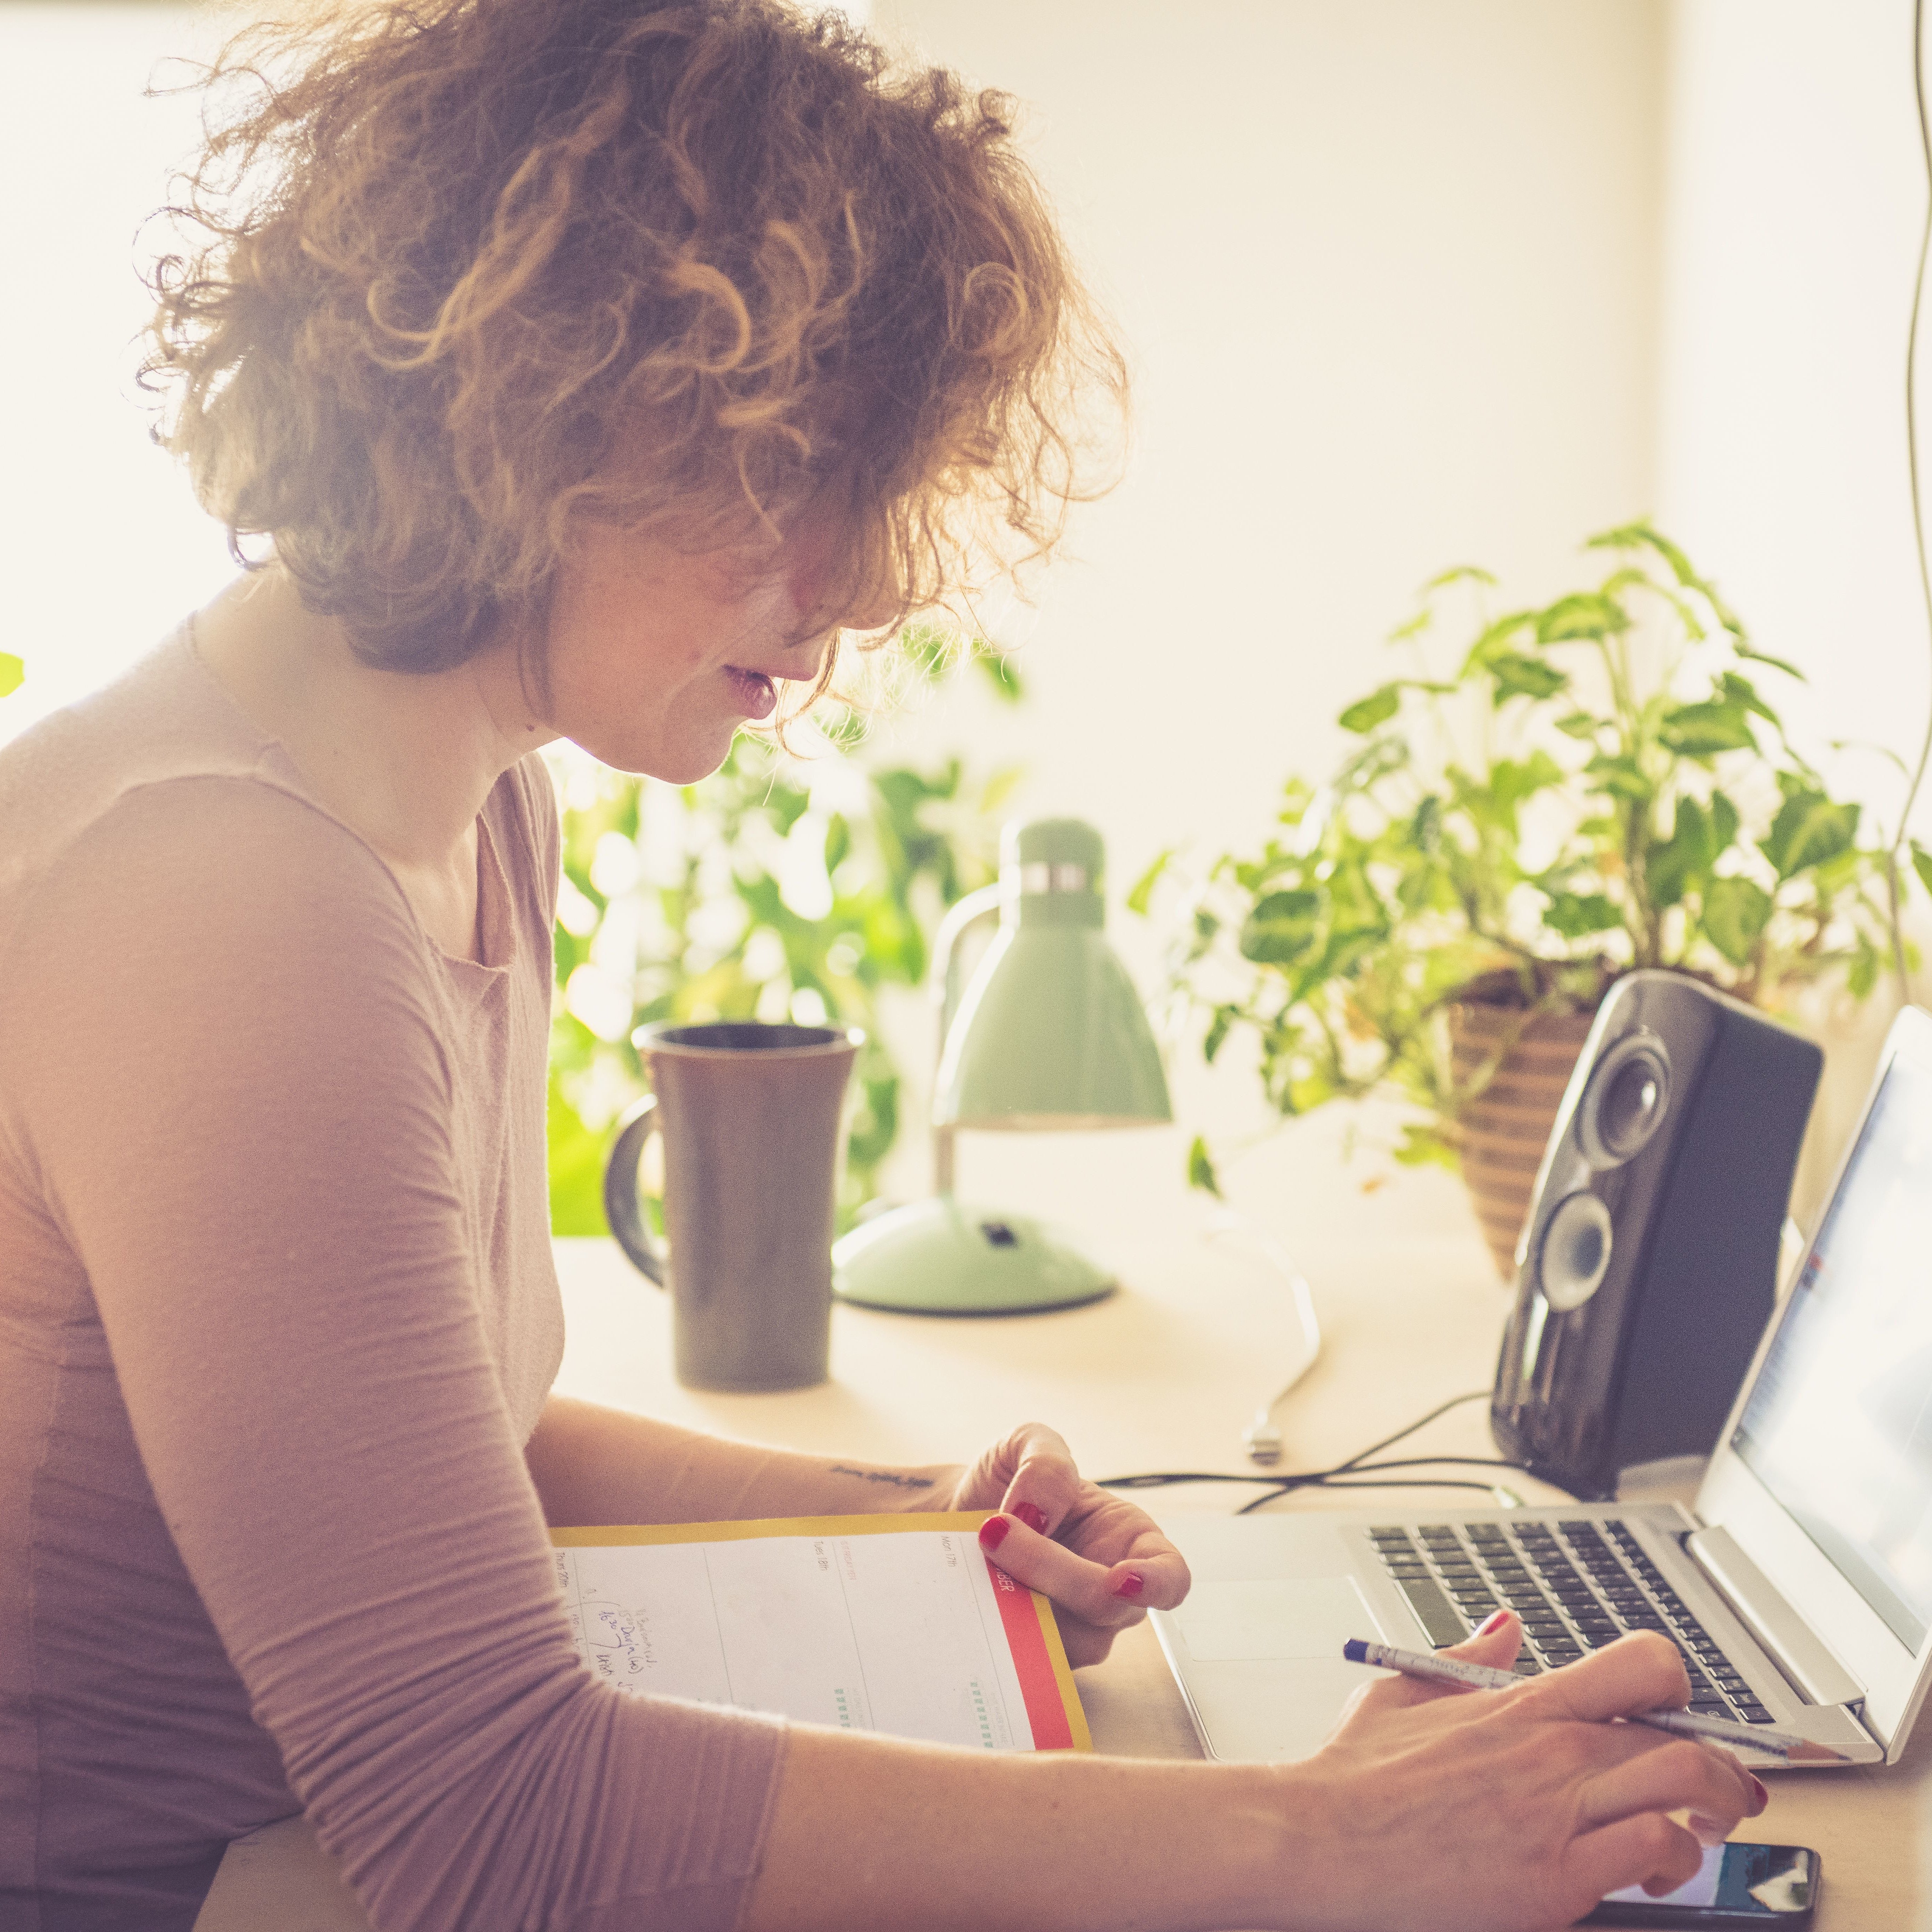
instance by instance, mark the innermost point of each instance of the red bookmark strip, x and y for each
(1045, 1711)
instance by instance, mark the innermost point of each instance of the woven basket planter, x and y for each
(1502, 1132)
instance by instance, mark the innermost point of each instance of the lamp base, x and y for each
(941, 1256)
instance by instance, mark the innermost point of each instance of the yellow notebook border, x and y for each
(965, 1521)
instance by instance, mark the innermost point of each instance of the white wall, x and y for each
(102, 546)
(1386, 271)
(1796, 193)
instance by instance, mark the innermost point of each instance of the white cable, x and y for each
(1262, 1439)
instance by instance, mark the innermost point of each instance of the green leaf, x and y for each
(1200, 1168)
(1672, 865)
(1766, 657)
(1142, 895)
(1861, 975)
(1724, 822)
(12, 670)
(1495, 638)
(1579, 724)
(1281, 928)
(1741, 691)
(1460, 573)
(1736, 912)
(1512, 780)
(1586, 614)
(1621, 776)
(1809, 829)
(1217, 1035)
(1921, 864)
(1423, 1146)
(1639, 536)
(1519, 676)
(996, 667)
(1578, 915)
(1701, 730)
(1378, 708)
(1425, 829)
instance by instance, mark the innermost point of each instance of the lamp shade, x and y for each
(1050, 1032)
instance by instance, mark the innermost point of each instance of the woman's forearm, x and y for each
(595, 1465)
(867, 1833)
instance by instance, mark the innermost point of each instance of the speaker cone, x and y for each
(1625, 1102)
(1575, 1255)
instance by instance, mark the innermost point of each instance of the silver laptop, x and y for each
(1799, 1585)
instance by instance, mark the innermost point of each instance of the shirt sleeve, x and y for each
(240, 1107)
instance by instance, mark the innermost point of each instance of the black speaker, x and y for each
(1649, 1264)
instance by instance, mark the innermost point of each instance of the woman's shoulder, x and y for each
(157, 790)
(162, 741)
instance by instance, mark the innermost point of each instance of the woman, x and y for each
(582, 369)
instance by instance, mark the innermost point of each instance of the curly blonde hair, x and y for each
(465, 271)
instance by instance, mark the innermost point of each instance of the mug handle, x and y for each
(620, 1190)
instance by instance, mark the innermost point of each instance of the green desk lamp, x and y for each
(1049, 1035)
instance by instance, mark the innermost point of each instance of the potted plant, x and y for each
(1578, 789)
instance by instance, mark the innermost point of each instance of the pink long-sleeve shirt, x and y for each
(278, 1314)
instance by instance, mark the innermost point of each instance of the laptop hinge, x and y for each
(1811, 1668)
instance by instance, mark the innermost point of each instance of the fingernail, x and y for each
(1763, 1790)
(1495, 1621)
(1032, 1515)
(993, 1532)
(1131, 1585)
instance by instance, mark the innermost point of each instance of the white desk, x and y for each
(1163, 1376)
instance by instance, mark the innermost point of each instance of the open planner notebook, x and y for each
(872, 1623)
(895, 1624)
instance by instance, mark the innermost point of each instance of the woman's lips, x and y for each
(757, 697)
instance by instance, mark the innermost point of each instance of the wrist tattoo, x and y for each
(897, 1481)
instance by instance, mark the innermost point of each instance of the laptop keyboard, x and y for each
(1576, 1585)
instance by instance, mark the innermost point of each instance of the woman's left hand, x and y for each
(1101, 1561)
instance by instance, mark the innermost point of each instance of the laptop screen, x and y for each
(1838, 1426)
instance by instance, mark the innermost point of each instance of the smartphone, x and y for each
(1753, 1887)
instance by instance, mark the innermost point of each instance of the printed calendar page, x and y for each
(891, 1624)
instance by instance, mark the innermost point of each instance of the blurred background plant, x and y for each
(802, 886)
(1581, 789)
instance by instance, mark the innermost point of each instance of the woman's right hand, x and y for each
(1510, 1810)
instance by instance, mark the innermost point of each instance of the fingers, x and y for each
(1044, 1483)
(1494, 1643)
(1109, 1594)
(1641, 1672)
(1647, 1850)
(1681, 1775)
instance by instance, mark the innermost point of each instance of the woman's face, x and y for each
(656, 656)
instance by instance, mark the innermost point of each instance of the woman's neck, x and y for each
(406, 760)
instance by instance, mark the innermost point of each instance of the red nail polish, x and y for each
(1032, 1515)
(1763, 1791)
(1495, 1621)
(1131, 1585)
(993, 1532)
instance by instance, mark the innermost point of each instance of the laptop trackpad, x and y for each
(1274, 1617)
(1265, 1677)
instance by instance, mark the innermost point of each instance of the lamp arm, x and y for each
(946, 990)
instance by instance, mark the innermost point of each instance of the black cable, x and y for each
(1356, 1464)
(1387, 1483)
(1389, 1441)
(1912, 470)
